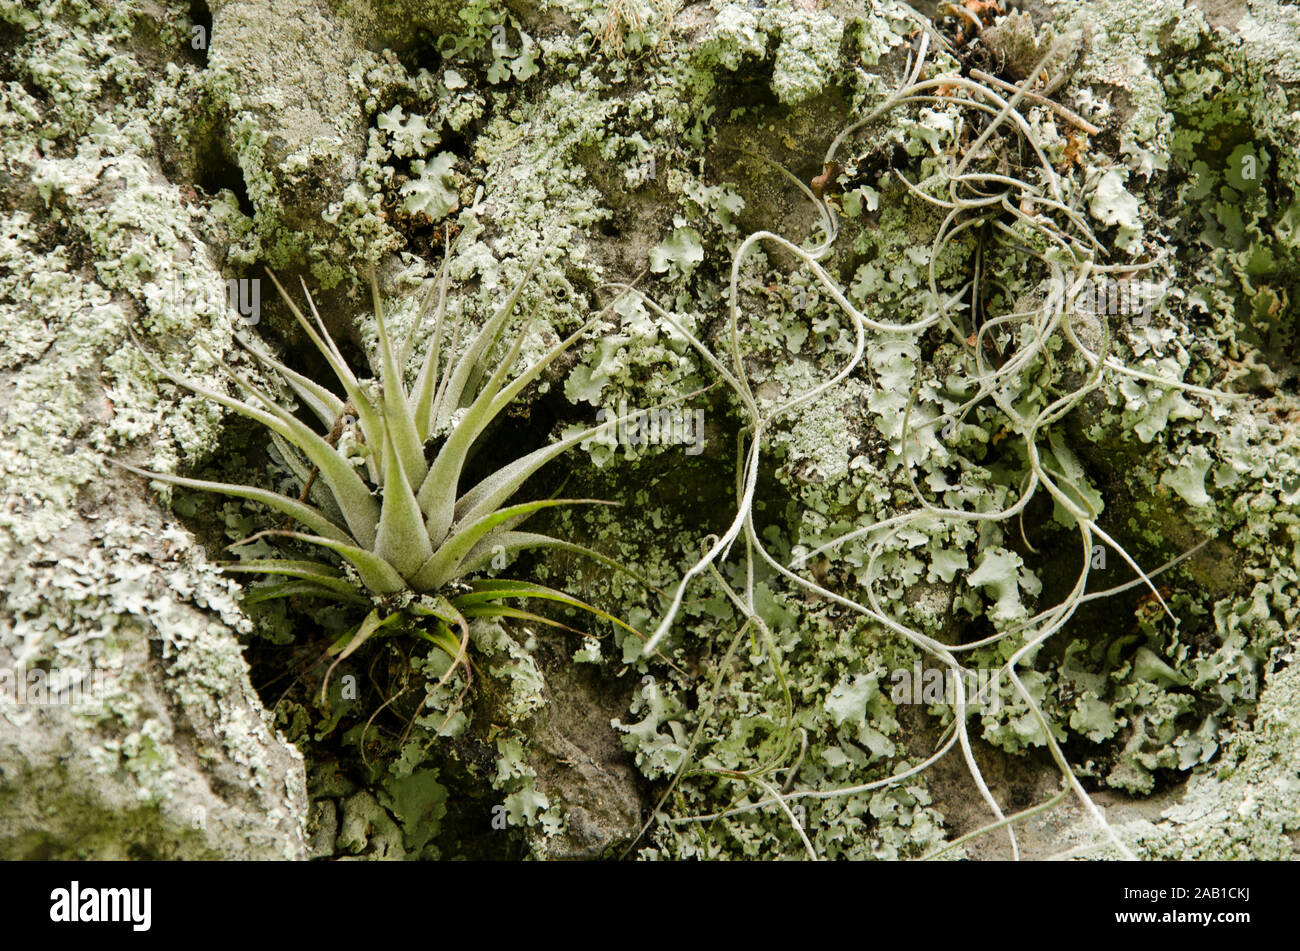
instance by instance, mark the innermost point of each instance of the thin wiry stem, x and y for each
(967, 207)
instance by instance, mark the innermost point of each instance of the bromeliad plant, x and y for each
(386, 504)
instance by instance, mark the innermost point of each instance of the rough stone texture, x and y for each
(139, 171)
(1244, 809)
(583, 768)
(174, 757)
(295, 123)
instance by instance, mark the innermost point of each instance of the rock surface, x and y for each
(152, 151)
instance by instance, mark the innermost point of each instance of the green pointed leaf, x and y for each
(469, 364)
(402, 539)
(320, 495)
(309, 589)
(367, 415)
(438, 493)
(360, 510)
(435, 409)
(289, 567)
(444, 564)
(503, 399)
(302, 512)
(316, 573)
(502, 610)
(376, 574)
(318, 399)
(512, 541)
(504, 482)
(426, 381)
(497, 589)
(347, 646)
(443, 639)
(399, 430)
(447, 613)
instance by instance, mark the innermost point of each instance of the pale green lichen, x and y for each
(625, 162)
(95, 242)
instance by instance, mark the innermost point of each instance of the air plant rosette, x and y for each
(382, 488)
